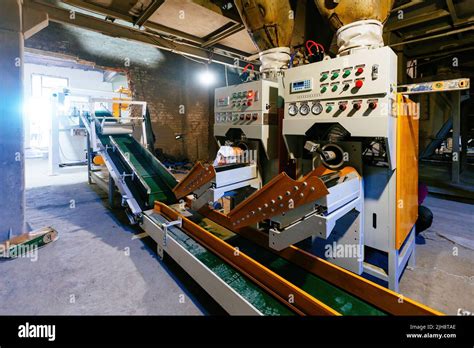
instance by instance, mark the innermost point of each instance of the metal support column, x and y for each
(456, 160)
(89, 159)
(111, 192)
(53, 150)
(12, 173)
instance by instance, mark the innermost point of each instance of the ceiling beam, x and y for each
(120, 31)
(444, 53)
(414, 20)
(150, 10)
(223, 33)
(407, 5)
(439, 46)
(452, 32)
(98, 9)
(127, 18)
(452, 11)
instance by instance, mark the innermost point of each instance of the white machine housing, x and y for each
(246, 116)
(356, 91)
(250, 107)
(379, 82)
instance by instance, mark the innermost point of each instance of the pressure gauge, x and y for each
(292, 109)
(304, 109)
(317, 108)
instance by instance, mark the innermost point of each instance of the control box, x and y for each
(357, 91)
(251, 103)
(248, 110)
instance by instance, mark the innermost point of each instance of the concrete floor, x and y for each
(101, 265)
(444, 274)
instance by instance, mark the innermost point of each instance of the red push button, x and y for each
(242, 117)
(342, 107)
(359, 83)
(356, 106)
(372, 105)
(359, 71)
(248, 117)
(255, 117)
(249, 103)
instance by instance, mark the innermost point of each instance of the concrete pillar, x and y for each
(12, 165)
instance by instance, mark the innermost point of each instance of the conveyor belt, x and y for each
(266, 284)
(151, 180)
(327, 293)
(259, 298)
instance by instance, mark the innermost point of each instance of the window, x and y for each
(43, 86)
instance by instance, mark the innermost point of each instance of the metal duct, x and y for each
(344, 12)
(269, 22)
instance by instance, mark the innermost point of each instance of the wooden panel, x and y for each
(407, 169)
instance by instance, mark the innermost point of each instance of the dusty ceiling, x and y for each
(208, 23)
(204, 28)
(431, 27)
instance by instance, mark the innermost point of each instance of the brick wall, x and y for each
(167, 81)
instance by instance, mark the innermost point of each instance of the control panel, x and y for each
(357, 85)
(251, 103)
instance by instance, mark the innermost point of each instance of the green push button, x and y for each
(334, 88)
(329, 108)
(346, 73)
(335, 75)
(324, 89)
(324, 77)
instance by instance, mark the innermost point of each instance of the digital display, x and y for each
(223, 101)
(301, 86)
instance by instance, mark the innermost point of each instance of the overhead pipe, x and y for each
(270, 24)
(359, 23)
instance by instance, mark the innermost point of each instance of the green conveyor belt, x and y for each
(155, 180)
(325, 292)
(331, 295)
(259, 298)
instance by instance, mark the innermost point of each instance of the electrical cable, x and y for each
(310, 44)
(292, 57)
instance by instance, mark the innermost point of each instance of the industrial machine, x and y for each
(117, 161)
(353, 199)
(244, 276)
(342, 127)
(344, 112)
(246, 130)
